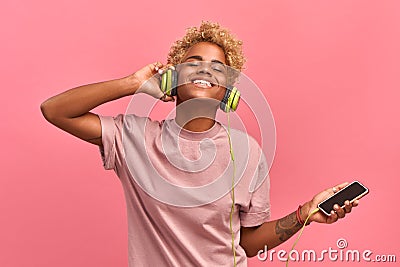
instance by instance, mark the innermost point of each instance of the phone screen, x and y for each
(351, 192)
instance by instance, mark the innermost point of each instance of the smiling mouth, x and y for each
(202, 83)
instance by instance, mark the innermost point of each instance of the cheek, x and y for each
(220, 94)
(182, 77)
(222, 79)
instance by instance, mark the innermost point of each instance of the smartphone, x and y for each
(351, 192)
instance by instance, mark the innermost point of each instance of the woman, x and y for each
(169, 226)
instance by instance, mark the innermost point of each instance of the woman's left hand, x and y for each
(337, 212)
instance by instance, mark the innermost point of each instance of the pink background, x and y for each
(329, 69)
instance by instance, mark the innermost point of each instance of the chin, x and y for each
(189, 91)
(197, 101)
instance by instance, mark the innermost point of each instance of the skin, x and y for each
(201, 61)
(70, 111)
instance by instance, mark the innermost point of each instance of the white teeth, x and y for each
(202, 82)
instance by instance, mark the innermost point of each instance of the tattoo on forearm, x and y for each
(287, 226)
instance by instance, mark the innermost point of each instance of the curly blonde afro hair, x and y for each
(213, 33)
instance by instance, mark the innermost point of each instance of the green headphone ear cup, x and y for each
(169, 82)
(235, 98)
(224, 100)
(174, 84)
(231, 99)
(164, 82)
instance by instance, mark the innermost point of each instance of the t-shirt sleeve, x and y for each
(110, 135)
(258, 210)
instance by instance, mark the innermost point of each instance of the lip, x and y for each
(208, 79)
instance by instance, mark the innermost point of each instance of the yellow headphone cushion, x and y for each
(233, 99)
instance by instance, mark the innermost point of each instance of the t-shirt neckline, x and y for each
(195, 136)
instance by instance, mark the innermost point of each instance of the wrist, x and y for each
(130, 84)
(304, 211)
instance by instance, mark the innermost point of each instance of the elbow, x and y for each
(250, 253)
(249, 241)
(47, 111)
(44, 108)
(250, 249)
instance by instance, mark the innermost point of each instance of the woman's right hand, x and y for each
(148, 79)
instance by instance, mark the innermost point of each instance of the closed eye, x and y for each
(193, 63)
(218, 67)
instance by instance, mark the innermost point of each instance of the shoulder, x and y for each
(130, 121)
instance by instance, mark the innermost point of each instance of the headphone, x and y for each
(169, 84)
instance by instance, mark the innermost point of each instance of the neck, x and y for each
(197, 125)
(198, 117)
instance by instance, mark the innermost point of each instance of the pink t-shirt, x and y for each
(177, 186)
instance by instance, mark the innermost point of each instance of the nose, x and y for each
(204, 68)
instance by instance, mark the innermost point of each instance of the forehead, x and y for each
(207, 51)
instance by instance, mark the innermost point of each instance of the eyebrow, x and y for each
(201, 58)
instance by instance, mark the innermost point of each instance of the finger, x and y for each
(164, 68)
(167, 98)
(170, 99)
(339, 211)
(170, 66)
(347, 206)
(156, 66)
(341, 186)
(355, 203)
(336, 188)
(333, 217)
